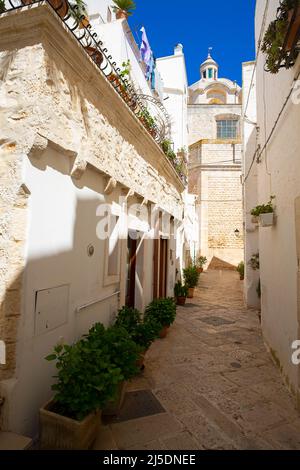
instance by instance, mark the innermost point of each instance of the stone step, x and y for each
(11, 441)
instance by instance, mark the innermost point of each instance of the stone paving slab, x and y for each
(218, 384)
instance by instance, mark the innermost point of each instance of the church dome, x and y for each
(209, 68)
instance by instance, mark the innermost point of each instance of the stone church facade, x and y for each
(215, 144)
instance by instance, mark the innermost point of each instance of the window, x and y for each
(210, 73)
(227, 129)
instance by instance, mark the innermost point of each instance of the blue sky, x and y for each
(227, 26)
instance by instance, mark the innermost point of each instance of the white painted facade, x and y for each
(278, 174)
(173, 72)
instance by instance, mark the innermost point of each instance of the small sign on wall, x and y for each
(51, 309)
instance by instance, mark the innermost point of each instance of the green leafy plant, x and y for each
(142, 332)
(241, 269)
(162, 311)
(191, 276)
(264, 208)
(2, 6)
(201, 261)
(254, 262)
(180, 290)
(78, 10)
(122, 350)
(125, 72)
(86, 378)
(274, 38)
(167, 148)
(146, 118)
(127, 6)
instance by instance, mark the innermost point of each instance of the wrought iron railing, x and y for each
(83, 31)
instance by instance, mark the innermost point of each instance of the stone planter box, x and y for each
(255, 219)
(266, 220)
(113, 407)
(62, 433)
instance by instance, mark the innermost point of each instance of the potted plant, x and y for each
(123, 8)
(123, 353)
(281, 35)
(241, 270)
(78, 11)
(142, 331)
(2, 6)
(86, 380)
(162, 312)
(181, 293)
(60, 6)
(265, 213)
(191, 278)
(201, 262)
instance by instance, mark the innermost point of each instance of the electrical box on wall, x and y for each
(51, 309)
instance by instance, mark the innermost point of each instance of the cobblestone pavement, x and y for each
(215, 380)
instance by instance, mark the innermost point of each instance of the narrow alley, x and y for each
(215, 384)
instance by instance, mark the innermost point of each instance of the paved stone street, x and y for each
(214, 379)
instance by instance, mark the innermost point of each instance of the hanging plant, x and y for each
(2, 6)
(281, 35)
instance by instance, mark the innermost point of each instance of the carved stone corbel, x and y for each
(111, 185)
(79, 168)
(39, 146)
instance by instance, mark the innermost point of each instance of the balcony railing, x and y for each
(82, 30)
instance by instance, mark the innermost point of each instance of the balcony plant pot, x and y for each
(121, 15)
(266, 220)
(61, 6)
(95, 55)
(62, 433)
(164, 332)
(181, 300)
(255, 219)
(200, 270)
(191, 293)
(114, 406)
(293, 28)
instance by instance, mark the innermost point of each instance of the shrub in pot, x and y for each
(265, 213)
(2, 6)
(201, 262)
(123, 8)
(163, 312)
(86, 380)
(191, 278)
(180, 293)
(142, 331)
(123, 353)
(241, 270)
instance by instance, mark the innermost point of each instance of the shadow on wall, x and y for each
(40, 306)
(217, 263)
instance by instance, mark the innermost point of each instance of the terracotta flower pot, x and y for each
(113, 407)
(199, 270)
(191, 293)
(181, 300)
(121, 15)
(61, 6)
(164, 332)
(293, 30)
(96, 55)
(62, 433)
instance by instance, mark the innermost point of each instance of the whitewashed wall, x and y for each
(279, 175)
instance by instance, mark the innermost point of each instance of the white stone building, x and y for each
(69, 145)
(214, 122)
(272, 168)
